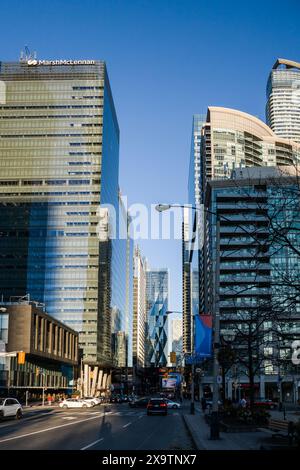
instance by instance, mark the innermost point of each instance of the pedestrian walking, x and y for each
(203, 404)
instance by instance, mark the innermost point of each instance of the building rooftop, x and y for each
(289, 64)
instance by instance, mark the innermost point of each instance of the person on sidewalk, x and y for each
(203, 404)
(243, 403)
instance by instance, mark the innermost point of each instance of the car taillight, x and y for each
(163, 405)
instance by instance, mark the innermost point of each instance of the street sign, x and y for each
(21, 357)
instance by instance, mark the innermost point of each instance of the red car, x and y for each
(265, 403)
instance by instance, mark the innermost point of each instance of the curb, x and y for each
(191, 434)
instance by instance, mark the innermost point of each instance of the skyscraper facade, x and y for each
(283, 99)
(59, 160)
(157, 291)
(176, 339)
(139, 310)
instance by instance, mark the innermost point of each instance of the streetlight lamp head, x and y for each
(162, 207)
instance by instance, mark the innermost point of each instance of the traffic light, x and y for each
(21, 357)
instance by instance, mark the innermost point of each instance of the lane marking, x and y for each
(126, 425)
(69, 417)
(92, 444)
(47, 429)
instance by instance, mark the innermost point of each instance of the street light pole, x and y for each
(214, 429)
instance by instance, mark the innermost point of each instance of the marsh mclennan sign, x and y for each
(60, 62)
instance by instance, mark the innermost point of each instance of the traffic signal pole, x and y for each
(193, 389)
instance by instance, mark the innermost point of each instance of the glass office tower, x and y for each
(283, 99)
(59, 165)
(157, 292)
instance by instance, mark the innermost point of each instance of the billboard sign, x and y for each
(168, 383)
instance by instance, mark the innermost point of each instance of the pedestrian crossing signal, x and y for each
(21, 357)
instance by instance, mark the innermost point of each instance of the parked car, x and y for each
(10, 407)
(172, 404)
(75, 403)
(140, 403)
(264, 403)
(157, 406)
(209, 403)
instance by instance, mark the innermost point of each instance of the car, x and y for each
(209, 403)
(115, 399)
(75, 403)
(140, 403)
(172, 404)
(10, 407)
(92, 400)
(265, 403)
(157, 406)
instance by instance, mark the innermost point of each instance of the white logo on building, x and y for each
(60, 62)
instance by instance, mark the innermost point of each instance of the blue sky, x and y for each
(166, 61)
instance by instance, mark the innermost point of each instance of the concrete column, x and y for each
(296, 391)
(108, 382)
(50, 338)
(262, 390)
(67, 343)
(94, 381)
(42, 334)
(229, 389)
(89, 381)
(85, 380)
(100, 376)
(104, 380)
(36, 344)
(56, 339)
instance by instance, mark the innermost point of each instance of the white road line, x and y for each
(69, 417)
(47, 429)
(92, 444)
(126, 425)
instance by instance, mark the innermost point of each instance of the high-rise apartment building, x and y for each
(258, 299)
(139, 310)
(59, 165)
(157, 291)
(283, 99)
(230, 140)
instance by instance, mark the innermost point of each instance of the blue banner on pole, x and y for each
(203, 336)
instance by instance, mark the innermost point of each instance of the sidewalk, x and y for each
(200, 431)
